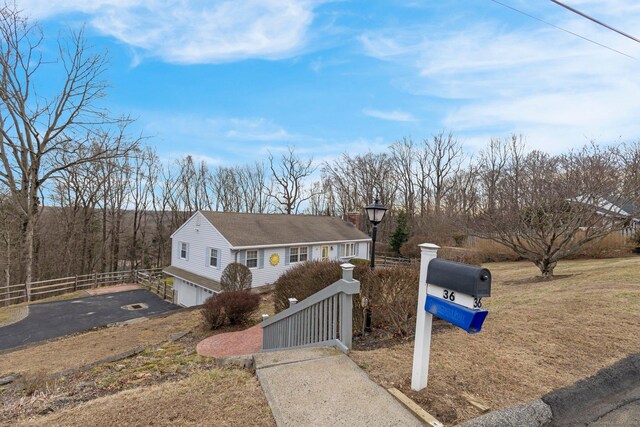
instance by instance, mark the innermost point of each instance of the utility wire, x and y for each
(584, 15)
(562, 29)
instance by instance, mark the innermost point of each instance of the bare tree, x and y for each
(35, 130)
(289, 175)
(445, 158)
(404, 159)
(569, 201)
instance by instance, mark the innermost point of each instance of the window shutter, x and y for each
(243, 257)
(357, 245)
(207, 257)
(219, 259)
(187, 252)
(339, 248)
(308, 253)
(286, 256)
(261, 258)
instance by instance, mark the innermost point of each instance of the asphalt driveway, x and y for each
(56, 319)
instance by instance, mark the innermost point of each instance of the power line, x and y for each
(562, 29)
(584, 15)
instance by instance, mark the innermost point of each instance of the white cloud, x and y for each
(394, 116)
(556, 89)
(197, 31)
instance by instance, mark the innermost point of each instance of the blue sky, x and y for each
(228, 81)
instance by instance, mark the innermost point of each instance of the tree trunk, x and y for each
(546, 267)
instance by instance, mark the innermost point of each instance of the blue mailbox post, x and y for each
(451, 291)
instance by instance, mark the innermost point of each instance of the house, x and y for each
(268, 244)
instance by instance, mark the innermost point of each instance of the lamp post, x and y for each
(375, 212)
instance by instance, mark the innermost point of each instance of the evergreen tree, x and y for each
(400, 234)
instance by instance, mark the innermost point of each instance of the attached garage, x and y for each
(191, 289)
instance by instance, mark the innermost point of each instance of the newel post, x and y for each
(424, 319)
(346, 308)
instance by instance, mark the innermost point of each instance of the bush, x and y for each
(394, 291)
(234, 308)
(236, 277)
(394, 295)
(611, 246)
(307, 278)
(464, 255)
(490, 251)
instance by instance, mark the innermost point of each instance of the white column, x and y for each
(428, 251)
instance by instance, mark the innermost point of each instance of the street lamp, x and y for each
(375, 212)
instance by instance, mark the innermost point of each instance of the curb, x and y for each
(579, 404)
(532, 414)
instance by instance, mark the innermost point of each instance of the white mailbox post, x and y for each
(453, 292)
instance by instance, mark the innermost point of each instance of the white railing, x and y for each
(325, 318)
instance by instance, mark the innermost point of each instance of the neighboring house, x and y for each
(616, 209)
(268, 244)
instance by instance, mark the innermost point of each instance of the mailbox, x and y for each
(455, 276)
(463, 317)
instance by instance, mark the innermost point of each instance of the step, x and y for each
(324, 387)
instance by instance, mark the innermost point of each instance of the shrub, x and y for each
(394, 295)
(236, 277)
(307, 278)
(611, 246)
(233, 307)
(394, 291)
(490, 251)
(464, 255)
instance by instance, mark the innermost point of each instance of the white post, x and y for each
(428, 251)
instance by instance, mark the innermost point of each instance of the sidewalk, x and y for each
(323, 387)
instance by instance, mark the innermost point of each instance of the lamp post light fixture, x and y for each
(375, 212)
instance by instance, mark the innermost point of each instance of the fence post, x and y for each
(95, 279)
(164, 293)
(27, 287)
(75, 284)
(346, 306)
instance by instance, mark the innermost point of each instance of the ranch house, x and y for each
(268, 244)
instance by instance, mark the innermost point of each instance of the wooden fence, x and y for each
(387, 261)
(151, 279)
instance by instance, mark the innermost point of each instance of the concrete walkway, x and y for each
(323, 387)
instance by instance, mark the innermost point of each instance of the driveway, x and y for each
(56, 319)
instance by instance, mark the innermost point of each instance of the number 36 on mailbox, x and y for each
(455, 292)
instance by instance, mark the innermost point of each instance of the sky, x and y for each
(230, 81)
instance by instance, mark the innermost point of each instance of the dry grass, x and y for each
(539, 336)
(80, 350)
(228, 397)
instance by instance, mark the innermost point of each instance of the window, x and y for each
(349, 250)
(325, 253)
(252, 259)
(298, 254)
(183, 250)
(213, 258)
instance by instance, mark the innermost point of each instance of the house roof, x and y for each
(193, 278)
(246, 229)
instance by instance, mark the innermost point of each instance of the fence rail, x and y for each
(324, 318)
(152, 279)
(387, 261)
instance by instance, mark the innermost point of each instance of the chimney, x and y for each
(353, 218)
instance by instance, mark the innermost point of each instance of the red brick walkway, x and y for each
(237, 343)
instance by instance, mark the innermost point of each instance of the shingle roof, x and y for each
(192, 277)
(245, 229)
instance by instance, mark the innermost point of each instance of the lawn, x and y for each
(539, 336)
(165, 382)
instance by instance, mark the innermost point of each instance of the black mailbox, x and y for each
(455, 276)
